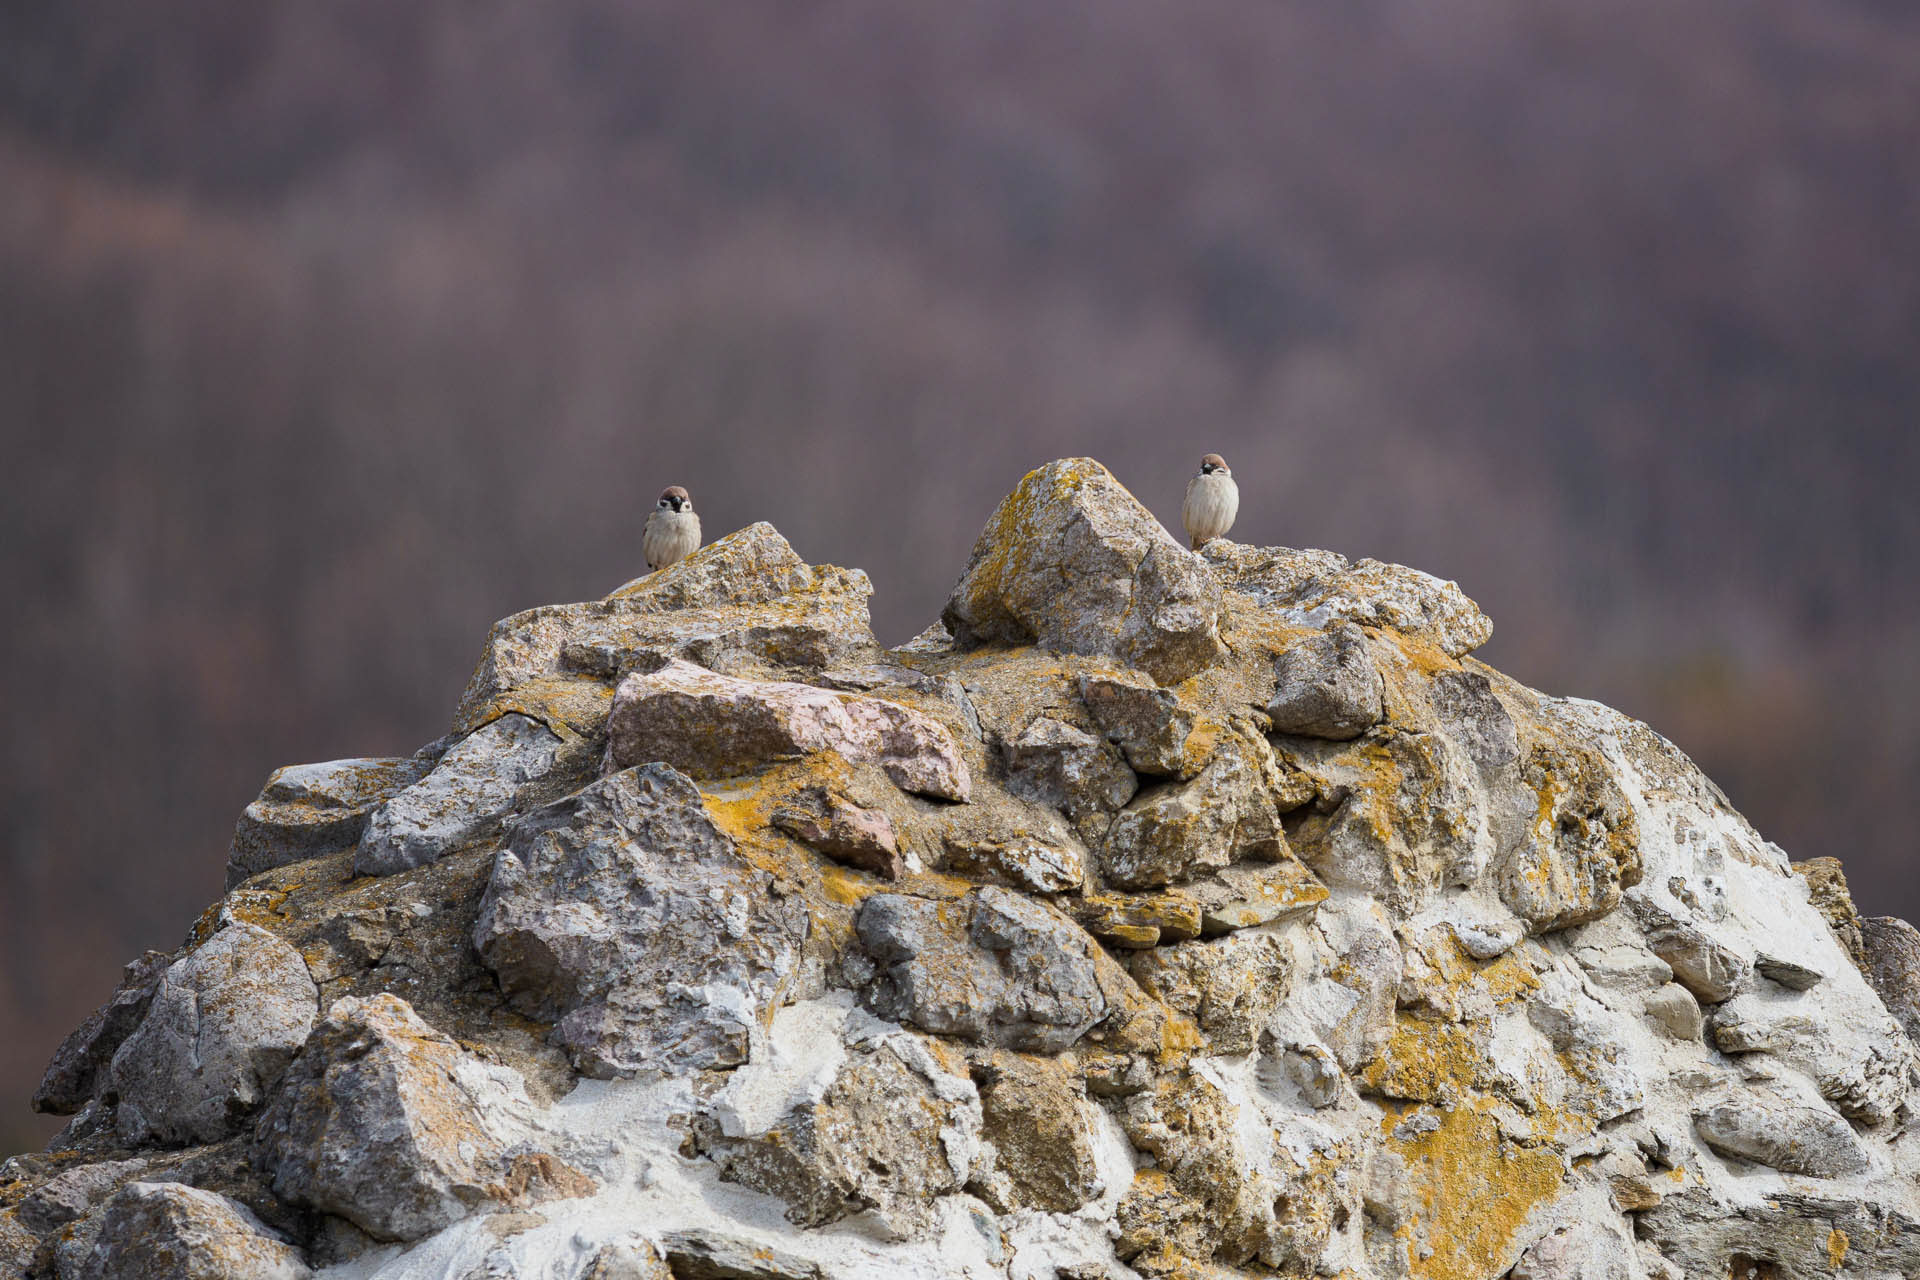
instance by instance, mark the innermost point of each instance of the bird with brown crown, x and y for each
(673, 529)
(1213, 500)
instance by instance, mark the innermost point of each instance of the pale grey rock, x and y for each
(166, 1231)
(1147, 723)
(1328, 687)
(311, 810)
(74, 1194)
(1320, 589)
(1713, 971)
(1072, 562)
(1891, 948)
(1583, 1251)
(744, 603)
(381, 1121)
(1003, 841)
(1471, 713)
(1580, 850)
(994, 967)
(624, 914)
(743, 724)
(79, 1065)
(463, 799)
(712, 1255)
(1673, 1009)
(1314, 1071)
(890, 1133)
(224, 1022)
(1175, 831)
(1784, 1135)
(18, 1246)
(1053, 763)
(1784, 1235)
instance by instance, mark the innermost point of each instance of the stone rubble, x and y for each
(1156, 914)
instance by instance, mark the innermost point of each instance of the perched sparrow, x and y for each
(673, 529)
(1213, 500)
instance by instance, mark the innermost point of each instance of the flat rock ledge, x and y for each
(1157, 913)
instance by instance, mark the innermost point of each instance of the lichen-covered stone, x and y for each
(1149, 724)
(165, 1231)
(993, 967)
(1176, 831)
(1891, 948)
(1071, 561)
(1053, 763)
(834, 826)
(1791, 1138)
(387, 1123)
(1041, 1136)
(623, 913)
(1327, 687)
(1319, 589)
(710, 725)
(311, 810)
(223, 1023)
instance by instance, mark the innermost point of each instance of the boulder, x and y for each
(463, 799)
(165, 1231)
(224, 1022)
(1176, 831)
(1072, 562)
(312, 810)
(383, 1121)
(80, 1064)
(1582, 849)
(834, 827)
(1811, 1141)
(993, 967)
(1319, 589)
(1709, 969)
(1891, 948)
(625, 915)
(744, 603)
(1147, 723)
(74, 1194)
(889, 1133)
(1328, 687)
(1053, 763)
(710, 725)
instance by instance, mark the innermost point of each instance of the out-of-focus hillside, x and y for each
(328, 334)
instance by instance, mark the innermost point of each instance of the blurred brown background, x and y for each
(331, 332)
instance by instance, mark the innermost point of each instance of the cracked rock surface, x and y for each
(1156, 913)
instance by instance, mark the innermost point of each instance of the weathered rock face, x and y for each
(1161, 914)
(625, 916)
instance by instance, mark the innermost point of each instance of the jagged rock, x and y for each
(742, 724)
(710, 1255)
(891, 1131)
(387, 1123)
(1582, 850)
(224, 1022)
(1042, 1140)
(1146, 722)
(311, 810)
(1249, 894)
(1319, 589)
(836, 827)
(1791, 1138)
(1053, 763)
(743, 603)
(80, 1064)
(18, 1247)
(1584, 1251)
(165, 1231)
(1792, 976)
(1712, 971)
(1134, 921)
(1072, 562)
(1328, 687)
(634, 1260)
(465, 796)
(1891, 948)
(74, 1194)
(1176, 831)
(1230, 985)
(1675, 1011)
(626, 915)
(993, 967)
(1781, 1235)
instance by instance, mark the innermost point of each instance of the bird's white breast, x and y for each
(670, 536)
(1212, 503)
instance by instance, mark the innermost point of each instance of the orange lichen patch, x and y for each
(571, 706)
(1473, 1188)
(1506, 978)
(1837, 1243)
(1428, 1062)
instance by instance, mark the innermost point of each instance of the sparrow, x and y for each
(1213, 500)
(673, 529)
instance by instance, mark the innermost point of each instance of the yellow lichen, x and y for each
(1473, 1188)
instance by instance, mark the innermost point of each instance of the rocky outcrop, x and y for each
(1160, 913)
